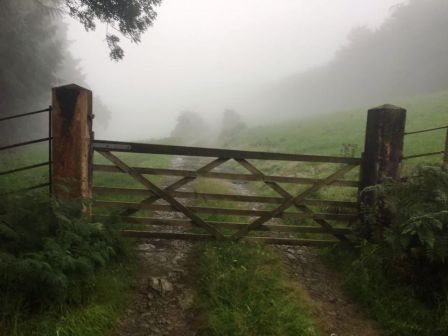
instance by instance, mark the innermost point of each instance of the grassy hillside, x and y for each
(326, 134)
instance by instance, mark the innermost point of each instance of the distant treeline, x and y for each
(406, 56)
(191, 127)
(34, 57)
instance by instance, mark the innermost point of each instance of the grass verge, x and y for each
(97, 317)
(243, 288)
(393, 305)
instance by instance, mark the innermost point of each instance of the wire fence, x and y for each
(443, 152)
(47, 163)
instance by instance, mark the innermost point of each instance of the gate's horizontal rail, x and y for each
(224, 197)
(118, 146)
(225, 176)
(230, 225)
(225, 211)
(206, 237)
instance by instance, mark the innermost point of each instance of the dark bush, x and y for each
(402, 277)
(416, 237)
(49, 252)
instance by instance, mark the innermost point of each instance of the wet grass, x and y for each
(243, 289)
(96, 317)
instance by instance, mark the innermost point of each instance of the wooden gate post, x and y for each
(383, 152)
(72, 138)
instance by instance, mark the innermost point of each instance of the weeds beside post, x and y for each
(72, 138)
(383, 152)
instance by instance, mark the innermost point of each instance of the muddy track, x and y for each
(163, 298)
(333, 311)
(162, 302)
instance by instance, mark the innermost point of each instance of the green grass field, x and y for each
(326, 134)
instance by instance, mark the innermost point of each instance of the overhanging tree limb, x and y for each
(130, 17)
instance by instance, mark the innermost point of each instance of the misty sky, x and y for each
(209, 55)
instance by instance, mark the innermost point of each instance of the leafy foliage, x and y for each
(418, 209)
(402, 280)
(49, 253)
(96, 317)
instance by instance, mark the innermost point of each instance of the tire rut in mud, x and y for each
(163, 297)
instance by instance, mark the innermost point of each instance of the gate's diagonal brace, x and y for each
(205, 169)
(291, 201)
(162, 194)
(282, 192)
(178, 184)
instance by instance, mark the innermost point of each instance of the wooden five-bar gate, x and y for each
(258, 219)
(328, 221)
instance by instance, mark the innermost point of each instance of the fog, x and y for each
(207, 56)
